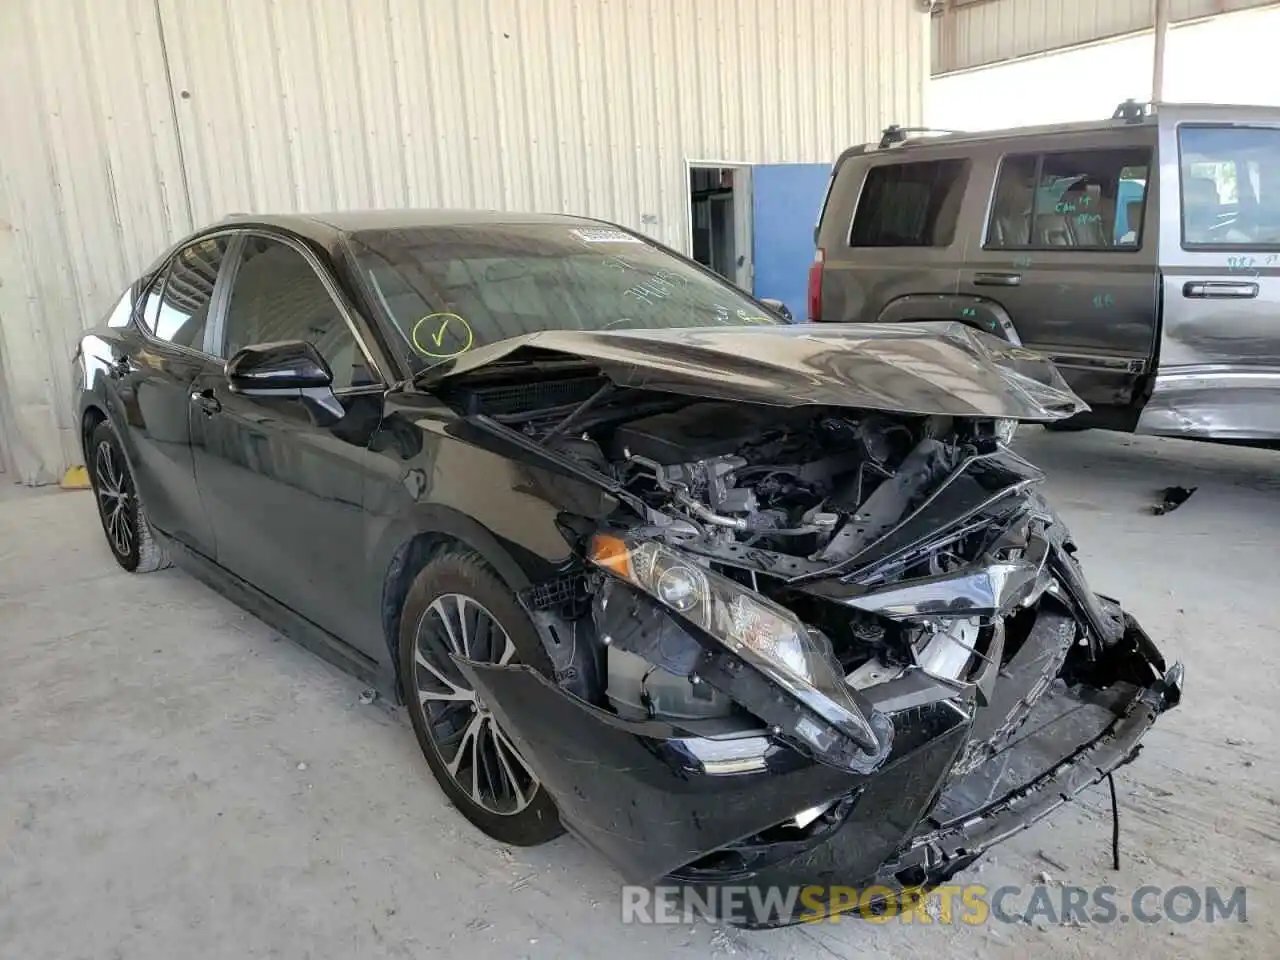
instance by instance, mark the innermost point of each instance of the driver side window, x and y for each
(278, 296)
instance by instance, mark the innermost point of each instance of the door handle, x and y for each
(206, 401)
(1220, 290)
(997, 279)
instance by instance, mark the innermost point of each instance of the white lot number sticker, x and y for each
(604, 236)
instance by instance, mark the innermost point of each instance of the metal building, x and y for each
(128, 122)
(974, 33)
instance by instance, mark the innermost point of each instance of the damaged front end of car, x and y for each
(813, 645)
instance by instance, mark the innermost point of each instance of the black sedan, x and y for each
(734, 600)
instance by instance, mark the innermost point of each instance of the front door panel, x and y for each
(1219, 370)
(287, 498)
(1219, 373)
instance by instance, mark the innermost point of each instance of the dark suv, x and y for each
(1140, 253)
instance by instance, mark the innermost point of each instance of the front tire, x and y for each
(123, 516)
(457, 604)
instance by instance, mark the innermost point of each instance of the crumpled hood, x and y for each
(946, 369)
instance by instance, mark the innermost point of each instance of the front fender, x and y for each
(428, 485)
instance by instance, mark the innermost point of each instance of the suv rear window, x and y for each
(1230, 187)
(910, 204)
(1086, 200)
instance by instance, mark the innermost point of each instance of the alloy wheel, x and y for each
(478, 754)
(115, 498)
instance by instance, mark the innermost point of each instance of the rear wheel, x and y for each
(457, 605)
(123, 516)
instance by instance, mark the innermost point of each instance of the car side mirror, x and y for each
(269, 367)
(287, 369)
(780, 308)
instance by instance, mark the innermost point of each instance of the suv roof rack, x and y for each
(896, 134)
(1131, 111)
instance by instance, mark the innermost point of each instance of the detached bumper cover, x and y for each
(661, 802)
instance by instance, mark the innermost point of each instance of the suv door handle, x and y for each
(1220, 290)
(206, 401)
(997, 279)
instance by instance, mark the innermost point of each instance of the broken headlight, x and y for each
(766, 636)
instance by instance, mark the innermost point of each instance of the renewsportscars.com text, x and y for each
(971, 904)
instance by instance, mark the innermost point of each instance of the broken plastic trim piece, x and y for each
(992, 589)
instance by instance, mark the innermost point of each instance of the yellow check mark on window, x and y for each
(438, 336)
(428, 335)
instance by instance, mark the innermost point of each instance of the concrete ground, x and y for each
(176, 782)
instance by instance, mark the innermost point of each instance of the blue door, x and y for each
(786, 198)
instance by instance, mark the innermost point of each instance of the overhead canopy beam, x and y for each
(975, 33)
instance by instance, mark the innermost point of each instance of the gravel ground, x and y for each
(177, 782)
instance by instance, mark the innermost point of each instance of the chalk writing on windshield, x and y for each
(658, 287)
(740, 317)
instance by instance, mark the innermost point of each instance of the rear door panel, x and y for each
(1093, 311)
(152, 379)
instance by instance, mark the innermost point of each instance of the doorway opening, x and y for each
(720, 220)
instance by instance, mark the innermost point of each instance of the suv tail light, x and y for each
(815, 285)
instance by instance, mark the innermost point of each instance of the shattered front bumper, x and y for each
(708, 810)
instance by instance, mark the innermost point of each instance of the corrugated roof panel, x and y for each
(974, 33)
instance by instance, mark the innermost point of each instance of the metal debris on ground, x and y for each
(368, 696)
(1171, 498)
(1051, 861)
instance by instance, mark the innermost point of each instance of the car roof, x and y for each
(1168, 112)
(329, 227)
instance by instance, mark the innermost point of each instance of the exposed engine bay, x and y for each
(859, 585)
(769, 497)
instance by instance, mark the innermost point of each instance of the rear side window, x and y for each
(122, 313)
(181, 311)
(1084, 200)
(1230, 187)
(910, 204)
(150, 308)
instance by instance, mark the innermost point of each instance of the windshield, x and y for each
(448, 290)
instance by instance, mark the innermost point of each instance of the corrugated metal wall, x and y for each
(971, 33)
(90, 190)
(585, 106)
